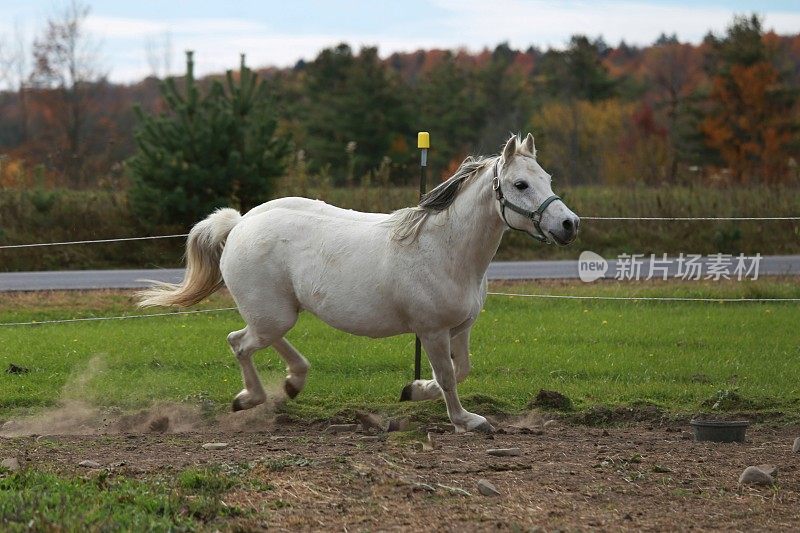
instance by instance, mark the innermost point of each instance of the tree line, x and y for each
(724, 111)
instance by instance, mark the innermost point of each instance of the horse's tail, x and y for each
(203, 251)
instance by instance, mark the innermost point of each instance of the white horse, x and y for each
(418, 270)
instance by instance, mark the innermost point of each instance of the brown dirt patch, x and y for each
(639, 477)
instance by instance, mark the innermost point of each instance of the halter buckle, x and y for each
(495, 183)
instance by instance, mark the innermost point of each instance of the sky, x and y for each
(279, 33)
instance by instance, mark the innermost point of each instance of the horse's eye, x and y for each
(521, 185)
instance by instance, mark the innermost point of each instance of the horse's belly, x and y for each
(363, 325)
(355, 310)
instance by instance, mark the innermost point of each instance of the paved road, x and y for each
(499, 270)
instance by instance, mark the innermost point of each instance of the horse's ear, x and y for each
(529, 146)
(510, 149)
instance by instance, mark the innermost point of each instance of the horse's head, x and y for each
(525, 199)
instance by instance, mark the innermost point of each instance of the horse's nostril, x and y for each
(567, 224)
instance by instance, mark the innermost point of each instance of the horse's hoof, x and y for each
(486, 427)
(405, 395)
(237, 405)
(290, 390)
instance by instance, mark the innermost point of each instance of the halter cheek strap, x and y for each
(535, 216)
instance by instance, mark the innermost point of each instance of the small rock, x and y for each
(398, 424)
(486, 488)
(796, 445)
(658, 469)
(16, 369)
(549, 424)
(215, 445)
(770, 470)
(370, 421)
(753, 475)
(504, 452)
(11, 464)
(341, 428)
(90, 464)
(160, 424)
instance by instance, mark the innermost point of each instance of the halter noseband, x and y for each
(535, 216)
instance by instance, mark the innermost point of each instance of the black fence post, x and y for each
(423, 143)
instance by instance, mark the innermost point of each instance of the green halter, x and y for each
(535, 216)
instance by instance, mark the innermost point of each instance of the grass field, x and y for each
(674, 355)
(682, 357)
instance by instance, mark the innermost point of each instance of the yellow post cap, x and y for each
(423, 140)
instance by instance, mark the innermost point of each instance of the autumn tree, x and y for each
(65, 69)
(571, 78)
(750, 121)
(14, 73)
(674, 70)
(158, 53)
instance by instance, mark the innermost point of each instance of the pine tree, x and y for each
(453, 108)
(205, 152)
(355, 113)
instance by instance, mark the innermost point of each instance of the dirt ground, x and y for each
(645, 476)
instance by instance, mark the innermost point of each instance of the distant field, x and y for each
(47, 216)
(673, 355)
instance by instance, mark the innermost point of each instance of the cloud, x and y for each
(525, 22)
(124, 27)
(217, 43)
(472, 24)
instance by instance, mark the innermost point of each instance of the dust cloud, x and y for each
(74, 415)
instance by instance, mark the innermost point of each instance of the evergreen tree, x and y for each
(208, 151)
(577, 72)
(452, 107)
(507, 99)
(355, 112)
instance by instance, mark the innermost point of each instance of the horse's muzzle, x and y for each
(568, 231)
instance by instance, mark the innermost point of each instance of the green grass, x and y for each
(33, 500)
(675, 355)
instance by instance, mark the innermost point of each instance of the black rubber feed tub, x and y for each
(719, 430)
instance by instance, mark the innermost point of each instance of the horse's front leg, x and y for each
(437, 345)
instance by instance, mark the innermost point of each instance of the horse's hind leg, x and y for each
(244, 344)
(296, 365)
(428, 389)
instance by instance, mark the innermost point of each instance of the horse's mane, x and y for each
(406, 223)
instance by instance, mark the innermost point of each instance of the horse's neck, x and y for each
(472, 229)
